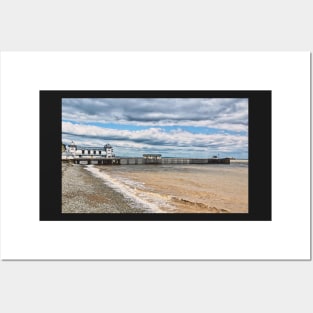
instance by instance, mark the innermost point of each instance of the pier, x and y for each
(105, 156)
(145, 161)
(96, 161)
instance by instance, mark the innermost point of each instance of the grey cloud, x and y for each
(157, 111)
(225, 114)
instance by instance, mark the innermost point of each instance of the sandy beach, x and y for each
(157, 189)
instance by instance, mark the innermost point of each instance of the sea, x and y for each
(184, 188)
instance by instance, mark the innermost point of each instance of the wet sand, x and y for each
(188, 188)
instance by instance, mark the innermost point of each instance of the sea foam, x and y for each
(128, 189)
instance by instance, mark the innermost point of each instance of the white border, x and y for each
(287, 74)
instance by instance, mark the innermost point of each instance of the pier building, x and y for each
(73, 151)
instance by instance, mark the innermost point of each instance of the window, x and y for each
(88, 151)
(83, 151)
(94, 152)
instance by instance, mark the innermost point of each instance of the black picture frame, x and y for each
(260, 180)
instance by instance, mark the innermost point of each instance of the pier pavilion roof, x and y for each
(90, 148)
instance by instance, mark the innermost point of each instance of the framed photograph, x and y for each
(155, 155)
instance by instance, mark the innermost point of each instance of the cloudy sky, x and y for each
(181, 127)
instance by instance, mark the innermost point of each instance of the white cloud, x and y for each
(150, 116)
(153, 138)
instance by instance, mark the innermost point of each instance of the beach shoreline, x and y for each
(150, 189)
(84, 193)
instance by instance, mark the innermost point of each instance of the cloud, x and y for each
(153, 139)
(231, 114)
(173, 126)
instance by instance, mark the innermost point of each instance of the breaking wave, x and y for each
(133, 192)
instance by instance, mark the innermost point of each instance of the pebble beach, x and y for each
(83, 193)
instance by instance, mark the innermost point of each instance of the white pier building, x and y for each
(74, 152)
